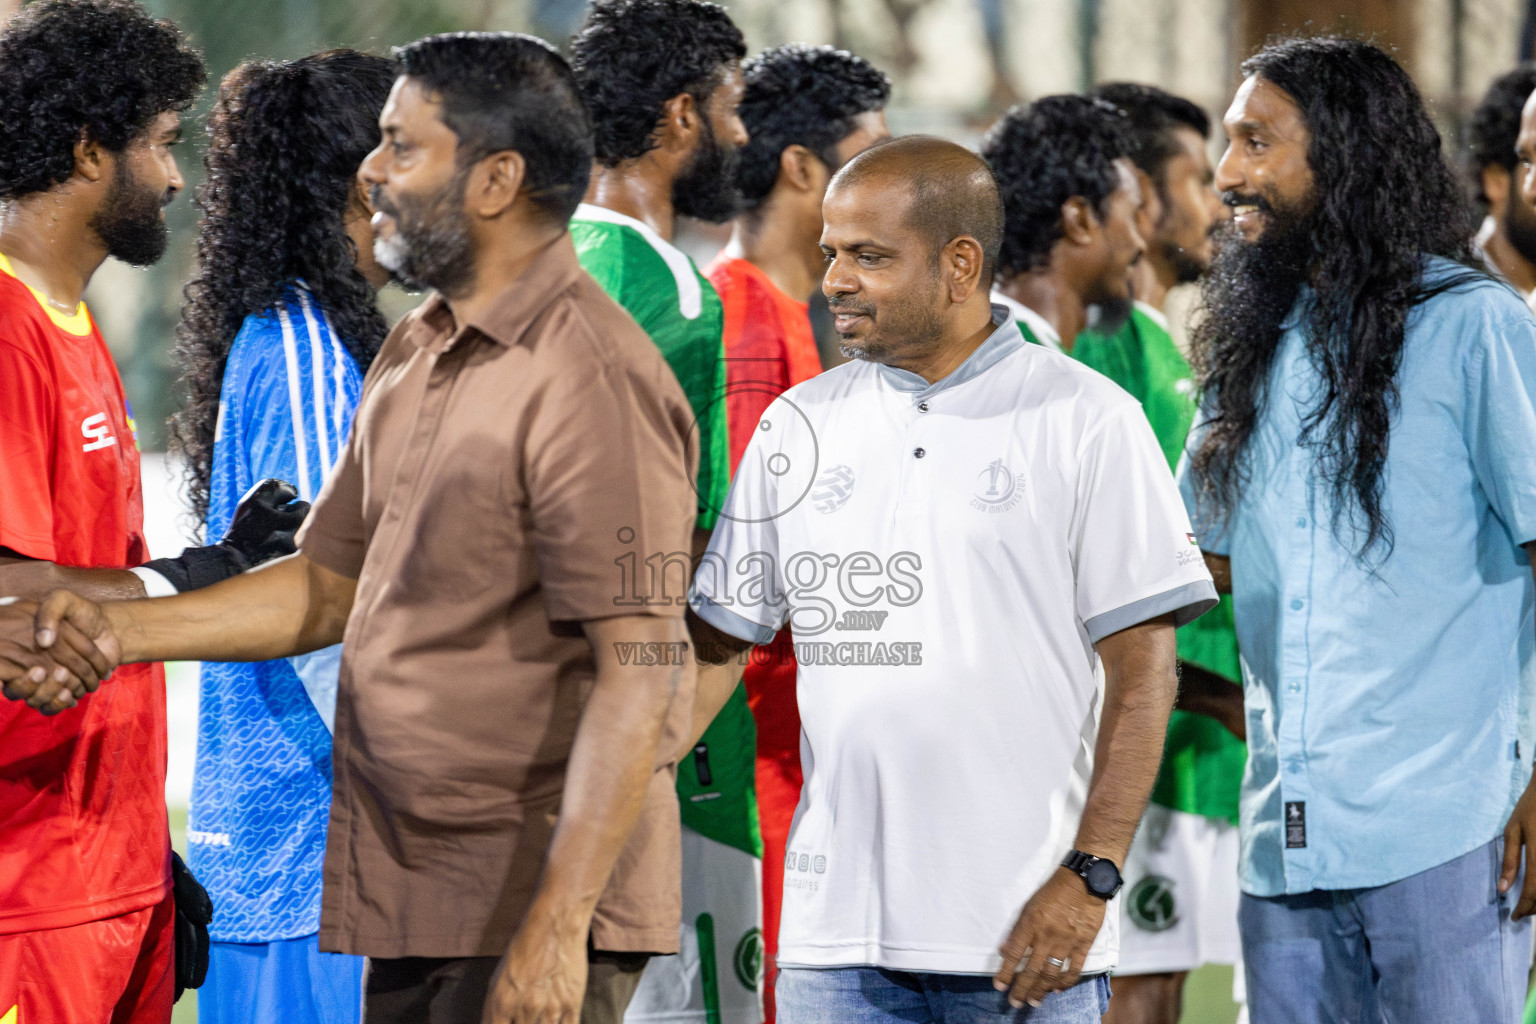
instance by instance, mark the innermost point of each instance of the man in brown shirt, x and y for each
(519, 441)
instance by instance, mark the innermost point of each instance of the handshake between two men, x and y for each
(55, 651)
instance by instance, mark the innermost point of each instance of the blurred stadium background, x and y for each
(955, 65)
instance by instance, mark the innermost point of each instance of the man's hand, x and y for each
(542, 978)
(1206, 693)
(1520, 836)
(51, 671)
(1059, 923)
(265, 522)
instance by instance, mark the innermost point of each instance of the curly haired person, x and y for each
(278, 331)
(91, 93)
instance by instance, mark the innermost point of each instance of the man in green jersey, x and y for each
(662, 79)
(1179, 909)
(1072, 197)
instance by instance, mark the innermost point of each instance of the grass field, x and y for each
(1207, 998)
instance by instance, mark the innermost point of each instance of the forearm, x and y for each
(1220, 567)
(32, 580)
(284, 608)
(716, 679)
(1205, 693)
(610, 768)
(1140, 684)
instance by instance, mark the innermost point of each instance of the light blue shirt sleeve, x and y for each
(1211, 528)
(1501, 416)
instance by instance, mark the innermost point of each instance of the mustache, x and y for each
(849, 306)
(380, 204)
(1233, 199)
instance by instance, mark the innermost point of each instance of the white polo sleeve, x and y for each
(1135, 554)
(738, 587)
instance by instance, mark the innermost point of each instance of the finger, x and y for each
(1511, 856)
(70, 668)
(1027, 980)
(1074, 972)
(1014, 951)
(21, 678)
(86, 650)
(51, 697)
(1527, 902)
(56, 607)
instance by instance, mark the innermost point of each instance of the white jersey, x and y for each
(948, 555)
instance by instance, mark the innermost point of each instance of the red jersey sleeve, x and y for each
(755, 366)
(28, 414)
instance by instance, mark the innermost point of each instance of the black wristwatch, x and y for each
(1100, 876)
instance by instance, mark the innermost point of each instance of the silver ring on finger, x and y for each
(1060, 965)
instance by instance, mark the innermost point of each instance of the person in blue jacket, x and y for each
(279, 328)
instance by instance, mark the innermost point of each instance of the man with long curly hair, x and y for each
(1363, 478)
(809, 110)
(662, 79)
(1072, 197)
(280, 327)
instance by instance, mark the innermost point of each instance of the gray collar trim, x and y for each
(1004, 340)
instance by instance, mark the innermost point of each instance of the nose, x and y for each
(1229, 176)
(837, 280)
(1528, 184)
(369, 171)
(739, 134)
(176, 182)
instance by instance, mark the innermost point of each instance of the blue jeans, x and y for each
(874, 995)
(1431, 948)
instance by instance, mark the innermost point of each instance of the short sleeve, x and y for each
(1134, 552)
(608, 472)
(1501, 421)
(739, 586)
(335, 533)
(28, 418)
(1210, 527)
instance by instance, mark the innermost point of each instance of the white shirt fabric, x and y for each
(945, 609)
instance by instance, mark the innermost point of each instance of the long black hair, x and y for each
(1384, 202)
(286, 142)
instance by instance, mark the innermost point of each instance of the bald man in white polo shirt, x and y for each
(960, 527)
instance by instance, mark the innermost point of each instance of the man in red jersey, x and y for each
(90, 103)
(809, 110)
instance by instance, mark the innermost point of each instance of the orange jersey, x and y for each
(82, 793)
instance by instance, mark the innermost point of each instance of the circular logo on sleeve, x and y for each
(1151, 905)
(748, 959)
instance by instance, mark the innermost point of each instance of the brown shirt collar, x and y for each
(504, 321)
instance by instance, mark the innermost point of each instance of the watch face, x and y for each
(1103, 878)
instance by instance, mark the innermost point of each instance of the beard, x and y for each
(706, 189)
(129, 222)
(1251, 286)
(431, 247)
(1520, 226)
(1108, 315)
(902, 329)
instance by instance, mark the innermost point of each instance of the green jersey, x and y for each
(663, 290)
(1203, 763)
(677, 306)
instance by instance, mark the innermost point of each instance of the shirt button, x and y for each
(1301, 521)
(1294, 687)
(922, 407)
(918, 453)
(1296, 604)
(1294, 767)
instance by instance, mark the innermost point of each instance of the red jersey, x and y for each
(83, 832)
(769, 348)
(769, 345)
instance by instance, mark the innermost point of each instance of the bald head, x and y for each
(950, 191)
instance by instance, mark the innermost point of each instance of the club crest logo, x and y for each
(748, 960)
(998, 488)
(1151, 905)
(832, 489)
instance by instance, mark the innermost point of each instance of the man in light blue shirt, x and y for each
(1365, 473)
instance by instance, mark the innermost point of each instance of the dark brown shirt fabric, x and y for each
(497, 476)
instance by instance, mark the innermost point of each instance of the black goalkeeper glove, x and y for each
(194, 913)
(263, 528)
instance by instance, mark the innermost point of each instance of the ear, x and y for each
(802, 170)
(680, 124)
(1079, 224)
(961, 263)
(1151, 209)
(1496, 184)
(494, 184)
(93, 161)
